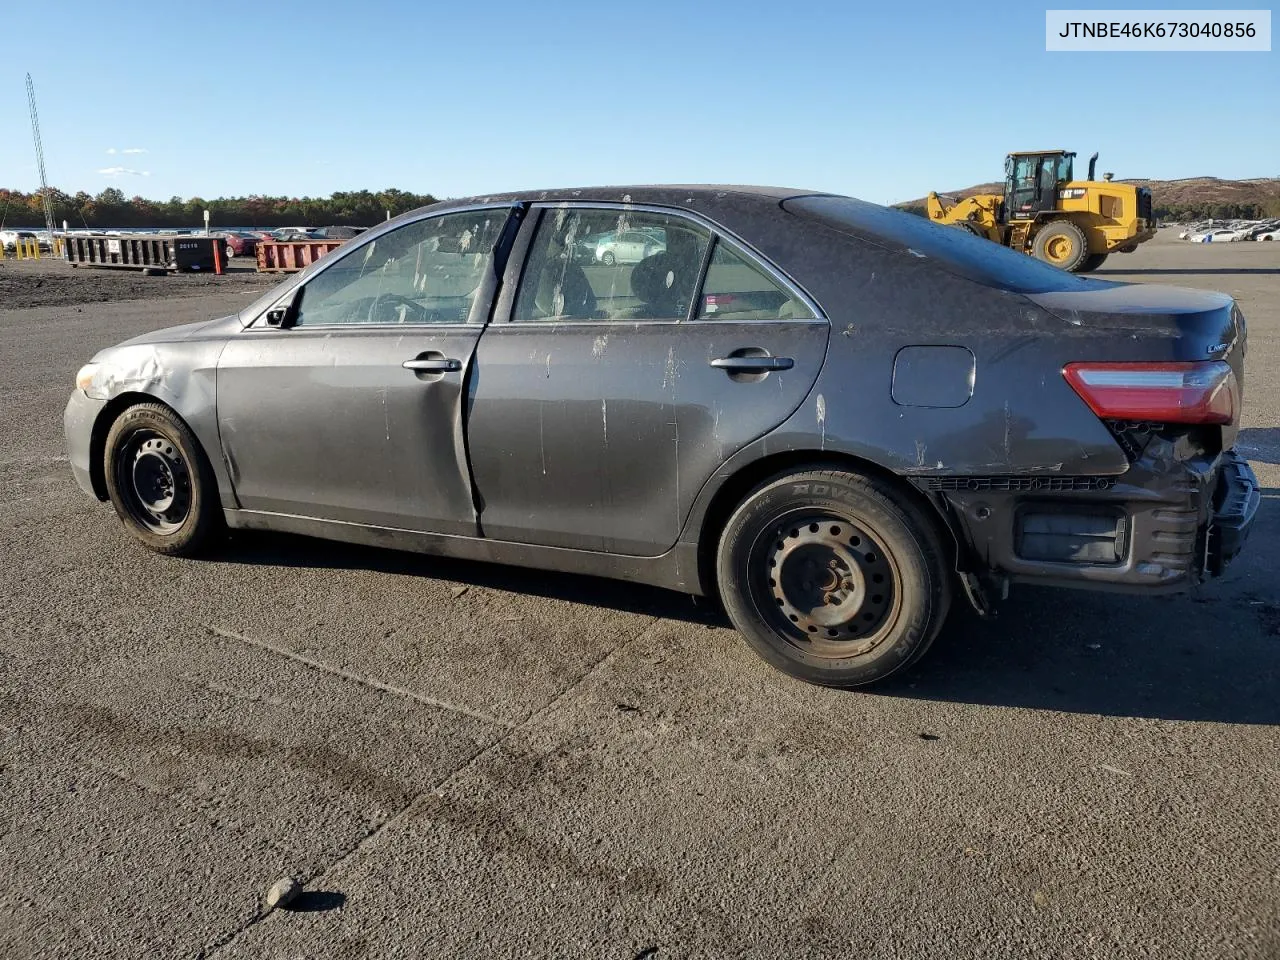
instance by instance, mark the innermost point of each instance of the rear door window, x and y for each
(611, 264)
(736, 288)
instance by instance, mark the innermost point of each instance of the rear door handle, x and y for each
(753, 364)
(440, 365)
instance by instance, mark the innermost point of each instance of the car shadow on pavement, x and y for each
(286, 550)
(1205, 657)
(1199, 657)
(1260, 443)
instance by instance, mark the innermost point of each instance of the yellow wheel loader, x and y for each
(1045, 212)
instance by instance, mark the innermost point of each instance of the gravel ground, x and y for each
(463, 760)
(53, 284)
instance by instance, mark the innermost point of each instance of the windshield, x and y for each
(1064, 168)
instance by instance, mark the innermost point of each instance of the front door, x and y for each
(352, 409)
(616, 390)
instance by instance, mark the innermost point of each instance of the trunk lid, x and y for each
(1150, 322)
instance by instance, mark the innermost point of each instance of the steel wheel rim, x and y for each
(154, 481)
(1058, 248)
(827, 585)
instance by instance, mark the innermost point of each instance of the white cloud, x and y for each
(118, 171)
(111, 150)
(135, 150)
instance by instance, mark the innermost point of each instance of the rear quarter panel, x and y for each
(1022, 416)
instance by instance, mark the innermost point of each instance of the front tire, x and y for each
(160, 482)
(1063, 244)
(833, 577)
(608, 259)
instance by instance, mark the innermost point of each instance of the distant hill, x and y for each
(1192, 198)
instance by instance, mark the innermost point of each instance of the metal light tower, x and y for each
(44, 180)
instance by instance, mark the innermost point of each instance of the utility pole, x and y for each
(44, 180)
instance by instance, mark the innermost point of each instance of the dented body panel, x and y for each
(613, 446)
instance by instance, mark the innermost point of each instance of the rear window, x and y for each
(951, 248)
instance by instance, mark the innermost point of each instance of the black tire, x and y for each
(1092, 262)
(608, 259)
(969, 227)
(1064, 236)
(886, 592)
(228, 252)
(160, 481)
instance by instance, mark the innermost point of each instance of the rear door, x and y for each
(605, 396)
(352, 410)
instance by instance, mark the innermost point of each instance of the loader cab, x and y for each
(1031, 182)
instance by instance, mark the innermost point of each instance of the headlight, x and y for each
(87, 380)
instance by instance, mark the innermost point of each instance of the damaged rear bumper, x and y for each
(1164, 526)
(1236, 504)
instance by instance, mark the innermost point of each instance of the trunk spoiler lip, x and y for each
(1203, 324)
(1133, 298)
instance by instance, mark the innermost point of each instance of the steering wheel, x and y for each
(413, 311)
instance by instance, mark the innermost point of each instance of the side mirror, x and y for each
(283, 314)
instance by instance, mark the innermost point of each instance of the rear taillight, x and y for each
(1195, 392)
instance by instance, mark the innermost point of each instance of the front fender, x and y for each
(183, 376)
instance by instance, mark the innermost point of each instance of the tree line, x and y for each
(111, 208)
(363, 208)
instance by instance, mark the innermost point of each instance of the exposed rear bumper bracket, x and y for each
(1236, 500)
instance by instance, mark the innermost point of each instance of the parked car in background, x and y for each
(584, 248)
(337, 233)
(292, 233)
(836, 417)
(1221, 235)
(1254, 229)
(1273, 234)
(629, 246)
(10, 238)
(239, 243)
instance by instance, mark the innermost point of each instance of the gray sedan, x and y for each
(834, 417)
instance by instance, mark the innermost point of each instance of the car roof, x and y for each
(675, 194)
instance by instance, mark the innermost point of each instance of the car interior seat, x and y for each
(563, 290)
(658, 281)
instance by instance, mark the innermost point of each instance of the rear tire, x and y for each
(1092, 262)
(833, 577)
(1062, 244)
(160, 481)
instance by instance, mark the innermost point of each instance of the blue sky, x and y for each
(883, 101)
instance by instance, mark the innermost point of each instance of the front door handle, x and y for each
(753, 364)
(433, 365)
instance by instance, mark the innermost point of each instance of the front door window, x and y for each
(428, 271)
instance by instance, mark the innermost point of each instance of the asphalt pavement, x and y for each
(466, 760)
